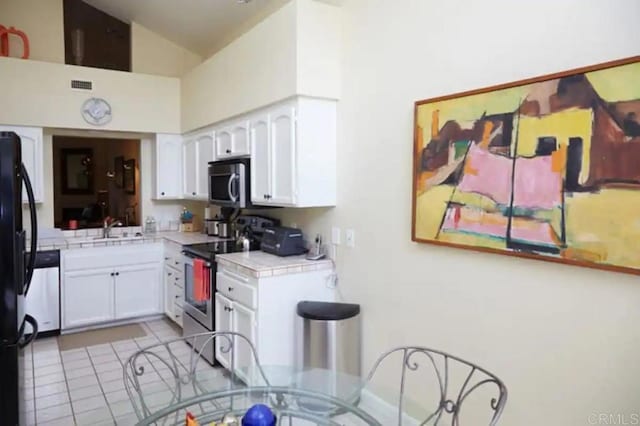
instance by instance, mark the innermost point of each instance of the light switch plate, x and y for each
(335, 235)
(350, 237)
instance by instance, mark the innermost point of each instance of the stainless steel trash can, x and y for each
(331, 336)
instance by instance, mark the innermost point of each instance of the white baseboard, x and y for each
(112, 324)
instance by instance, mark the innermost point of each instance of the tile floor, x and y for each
(85, 386)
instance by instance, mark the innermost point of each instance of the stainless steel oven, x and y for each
(229, 183)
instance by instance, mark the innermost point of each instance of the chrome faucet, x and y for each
(106, 227)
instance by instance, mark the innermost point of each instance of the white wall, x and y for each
(566, 340)
(154, 54)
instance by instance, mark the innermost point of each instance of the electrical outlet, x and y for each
(294, 225)
(335, 235)
(350, 237)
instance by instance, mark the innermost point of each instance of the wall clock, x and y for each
(96, 111)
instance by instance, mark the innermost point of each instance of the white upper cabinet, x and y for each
(199, 150)
(168, 167)
(233, 140)
(190, 173)
(31, 147)
(293, 154)
(260, 163)
(205, 145)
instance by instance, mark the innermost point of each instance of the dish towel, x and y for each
(199, 280)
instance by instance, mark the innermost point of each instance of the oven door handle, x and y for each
(191, 256)
(234, 198)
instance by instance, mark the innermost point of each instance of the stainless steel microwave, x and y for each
(229, 182)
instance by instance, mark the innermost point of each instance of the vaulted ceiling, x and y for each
(202, 26)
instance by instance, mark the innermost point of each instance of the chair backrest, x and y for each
(182, 371)
(451, 398)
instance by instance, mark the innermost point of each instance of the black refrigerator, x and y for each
(15, 277)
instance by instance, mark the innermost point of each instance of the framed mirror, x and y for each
(77, 171)
(129, 175)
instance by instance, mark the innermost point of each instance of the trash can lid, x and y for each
(327, 311)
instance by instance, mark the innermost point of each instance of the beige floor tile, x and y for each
(85, 392)
(107, 376)
(100, 349)
(113, 385)
(127, 420)
(53, 413)
(49, 379)
(121, 408)
(74, 373)
(108, 366)
(120, 395)
(76, 363)
(52, 400)
(104, 358)
(90, 418)
(75, 354)
(89, 404)
(42, 391)
(65, 421)
(81, 382)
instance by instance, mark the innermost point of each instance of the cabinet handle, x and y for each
(162, 193)
(230, 288)
(117, 274)
(169, 273)
(177, 263)
(177, 297)
(166, 258)
(113, 275)
(228, 151)
(226, 308)
(193, 193)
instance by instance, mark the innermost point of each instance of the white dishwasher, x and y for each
(43, 298)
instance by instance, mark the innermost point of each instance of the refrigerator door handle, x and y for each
(34, 229)
(34, 324)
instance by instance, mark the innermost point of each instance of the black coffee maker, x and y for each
(249, 229)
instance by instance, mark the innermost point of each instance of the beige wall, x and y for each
(154, 54)
(42, 21)
(565, 339)
(40, 94)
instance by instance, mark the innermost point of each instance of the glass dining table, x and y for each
(296, 396)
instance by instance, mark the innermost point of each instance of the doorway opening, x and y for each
(95, 179)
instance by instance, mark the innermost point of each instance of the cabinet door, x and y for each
(137, 291)
(244, 322)
(168, 167)
(190, 169)
(260, 168)
(224, 322)
(224, 147)
(31, 150)
(283, 156)
(240, 140)
(169, 292)
(87, 298)
(206, 153)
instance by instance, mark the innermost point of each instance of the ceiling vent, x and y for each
(81, 85)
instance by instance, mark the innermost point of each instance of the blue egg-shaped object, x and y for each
(259, 415)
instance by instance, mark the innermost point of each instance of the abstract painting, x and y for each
(545, 168)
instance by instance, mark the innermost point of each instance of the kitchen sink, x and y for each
(118, 237)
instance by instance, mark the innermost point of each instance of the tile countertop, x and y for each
(260, 264)
(85, 239)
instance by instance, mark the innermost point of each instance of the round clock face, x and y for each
(96, 111)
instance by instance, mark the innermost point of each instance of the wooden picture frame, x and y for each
(545, 168)
(129, 176)
(77, 171)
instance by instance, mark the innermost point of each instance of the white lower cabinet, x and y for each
(224, 322)
(264, 311)
(87, 298)
(136, 291)
(105, 284)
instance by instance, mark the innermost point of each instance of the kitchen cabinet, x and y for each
(199, 150)
(32, 153)
(261, 308)
(87, 298)
(233, 140)
(104, 284)
(293, 154)
(136, 291)
(168, 167)
(173, 282)
(190, 169)
(224, 322)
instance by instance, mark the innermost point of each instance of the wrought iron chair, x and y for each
(169, 372)
(451, 398)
